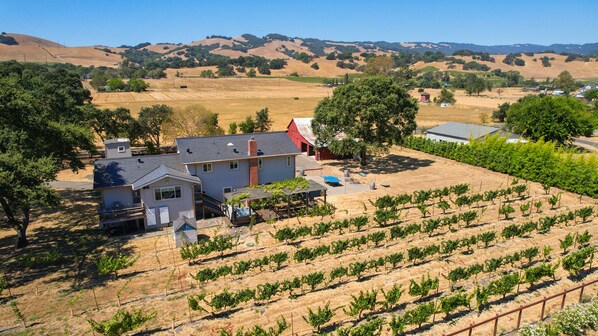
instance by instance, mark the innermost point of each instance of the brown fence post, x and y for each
(495, 325)
(543, 307)
(519, 317)
(470, 329)
(581, 291)
(564, 298)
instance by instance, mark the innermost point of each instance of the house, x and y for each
(300, 132)
(424, 97)
(462, 133)
(152, 191)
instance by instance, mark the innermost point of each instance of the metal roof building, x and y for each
(463, 132)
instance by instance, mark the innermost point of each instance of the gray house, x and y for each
(462, 132)
(154, 190)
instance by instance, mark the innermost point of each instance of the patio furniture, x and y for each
(331, 180)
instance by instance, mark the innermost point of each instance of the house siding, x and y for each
(221, 176)
(438, 137)
(184, 206)
(124, 195)
(275, 169)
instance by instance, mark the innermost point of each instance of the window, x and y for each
(288, 161)
(121, 149)
(136, 196)
(207, 167)
(260, 164)
(166, 193)
(233, 165)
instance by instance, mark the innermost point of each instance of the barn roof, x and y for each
(304, 127)
(462, 130)
(233, 147)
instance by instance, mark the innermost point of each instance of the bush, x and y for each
(574, 320)
(121, 323)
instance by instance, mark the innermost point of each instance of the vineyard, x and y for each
(428, 260)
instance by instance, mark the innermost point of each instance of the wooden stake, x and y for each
(93, 289)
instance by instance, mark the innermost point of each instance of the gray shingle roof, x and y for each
(462, 130)
(113, 141)
(119, 172)
(163, 172)
(216, 148)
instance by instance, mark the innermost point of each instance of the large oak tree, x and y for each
(41, 126)
(365, 116)
(550, 118)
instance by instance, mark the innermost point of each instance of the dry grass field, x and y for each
(160, 280)
(235, 98)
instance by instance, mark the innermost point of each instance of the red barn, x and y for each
(299, 130)
(425, 97)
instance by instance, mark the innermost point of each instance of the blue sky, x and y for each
(112, 23)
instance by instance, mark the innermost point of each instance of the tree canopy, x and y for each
(41, 125)
(446, 96)
(371, 115)
(565, 82)
(262, 120)
(550, 118)
(192, 120)
(151, 120)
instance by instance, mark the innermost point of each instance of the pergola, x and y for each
(250, 194)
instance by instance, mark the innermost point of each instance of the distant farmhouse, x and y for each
(152, 191)
(462, 133)
(300, 132)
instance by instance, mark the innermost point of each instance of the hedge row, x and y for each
(539, 161)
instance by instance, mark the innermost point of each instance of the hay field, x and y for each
(148, 286)
(235, 98)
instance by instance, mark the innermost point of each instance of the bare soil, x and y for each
(160, 280)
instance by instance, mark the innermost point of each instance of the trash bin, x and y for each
(346, 173)
(372, 185)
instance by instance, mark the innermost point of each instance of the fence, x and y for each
(519, 310)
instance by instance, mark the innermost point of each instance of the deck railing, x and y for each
(122, 213)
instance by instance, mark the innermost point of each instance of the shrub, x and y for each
(122, 322)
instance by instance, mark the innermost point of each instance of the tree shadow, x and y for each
(65, 239)
(388, 164)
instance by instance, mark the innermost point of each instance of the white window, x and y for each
(288, 161)
(207, 168)
(121, 149)
(233, 165)
(260, 164)
(166, 193)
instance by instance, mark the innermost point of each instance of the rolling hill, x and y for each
(26, 48)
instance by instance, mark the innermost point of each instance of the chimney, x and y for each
(253, 168)
(252, 147)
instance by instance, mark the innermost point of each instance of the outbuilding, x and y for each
(424, 97)
(462, 133)
(300, 132)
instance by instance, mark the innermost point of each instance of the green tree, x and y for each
(319, 318)
(379, 65)
(446, 96)
(251, 73)
(373, 114)
(115, 84)
(41, 125)
(262, 120)
(315, 66)
(264, 69)
(137, 84)
(550, 118)
(152, 119)
(565, 82)
(232, 128)
(247, 126)
(591, 94)
(500, 115)
(107, 123)
(225, 70)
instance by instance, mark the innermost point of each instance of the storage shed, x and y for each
(462, 133)
(424, 97)
(300, 132)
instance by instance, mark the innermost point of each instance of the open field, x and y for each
(160, 280)
(235, 98)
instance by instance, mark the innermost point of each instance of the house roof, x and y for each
(163, 172)
(119, 172)
(462, 130)
(425, 94)
(184, 224)
(233, 147)
(304, 128)
(113, 141)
